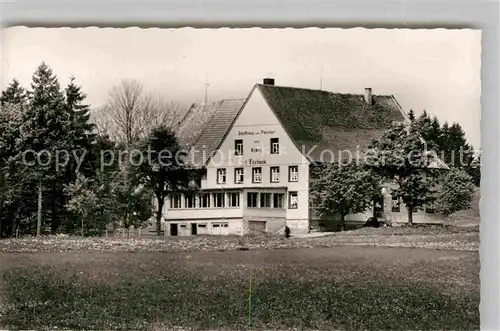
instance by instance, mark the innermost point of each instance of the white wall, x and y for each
(256, 125)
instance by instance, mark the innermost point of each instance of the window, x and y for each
(234, 199)
(175, 201)
(257, 175)
(275, 174)
(293, 174)
(265, 200)
(396, 204)
(202, 225)
(292, 200)
(218, 200)
(189, 201)
(183, 225)
(238, 175)
(238, 147)
(215, 225)
(252, 199)
(221, 176)
(205, 200)
(278, 200)
(275, 146)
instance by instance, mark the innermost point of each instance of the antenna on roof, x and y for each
(321, 77)
(207, 84)
(321, 70)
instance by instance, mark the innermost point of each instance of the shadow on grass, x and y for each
(42, 298)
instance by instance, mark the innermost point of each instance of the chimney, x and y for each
(268, 81)
(368, 95)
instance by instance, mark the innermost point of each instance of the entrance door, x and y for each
(194, 229)
(174, 229)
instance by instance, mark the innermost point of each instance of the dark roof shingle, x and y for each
(194, 121)
(331, 122)
(214, 131)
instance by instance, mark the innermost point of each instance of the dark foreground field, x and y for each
(338, 287)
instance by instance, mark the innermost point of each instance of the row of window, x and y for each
(274, 143)
(396, 206)
(254, 200)
(214, 225)
(293, 175)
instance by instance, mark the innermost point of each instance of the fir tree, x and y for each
(411, 116)
(14, 94)
(45, 128)
(81, 136)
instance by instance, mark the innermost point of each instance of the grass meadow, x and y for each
(396, 279)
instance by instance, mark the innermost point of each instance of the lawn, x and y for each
(323, 283)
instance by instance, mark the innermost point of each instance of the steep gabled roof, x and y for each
(320, 120)
(215, 130)
(317, 121)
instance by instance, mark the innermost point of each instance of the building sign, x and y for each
(252, 162)
(255, 132)
(256, 146)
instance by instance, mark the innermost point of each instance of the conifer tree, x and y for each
(44, 129)
(14, 94)
(411, 116)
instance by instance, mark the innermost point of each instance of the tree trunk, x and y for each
(342, 222)
(410, 216)
(39, 213)
(159, 213)
(83, 217)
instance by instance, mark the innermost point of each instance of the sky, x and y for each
(434, 69)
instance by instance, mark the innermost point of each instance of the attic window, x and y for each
(275, 145)
(238, 147)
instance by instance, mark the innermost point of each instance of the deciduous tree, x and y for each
(401, 156)
(343, 190)
(457, 193)
(164, 171)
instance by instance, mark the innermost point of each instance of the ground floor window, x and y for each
(234, 199)
(189, 201)
(175, 201)
(293, 200)
(218, 200)
(205, 200)
(252, 199)
(396, 204)
(278, 200)
(220, 225)
(265, 200)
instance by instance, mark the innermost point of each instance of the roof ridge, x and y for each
(317, 90)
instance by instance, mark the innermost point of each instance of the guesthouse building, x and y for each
(254, 156)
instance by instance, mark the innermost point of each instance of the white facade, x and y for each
(274, 191)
